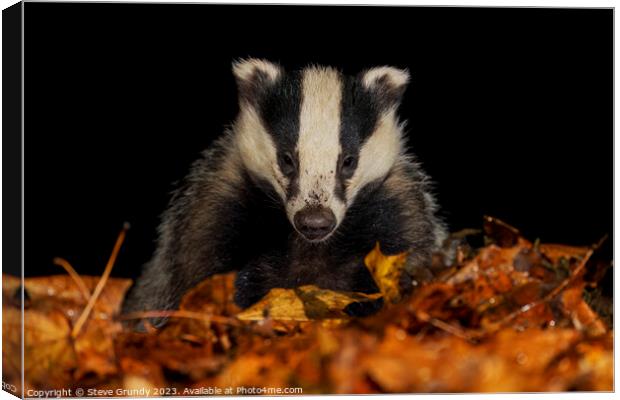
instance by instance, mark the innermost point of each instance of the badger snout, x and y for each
(315, 223)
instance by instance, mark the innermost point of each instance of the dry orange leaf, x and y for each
(509, 316)
(387, 272)
(304, 303)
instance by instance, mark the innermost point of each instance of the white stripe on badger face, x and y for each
(318, 145)
(378, 154)
(259, 150)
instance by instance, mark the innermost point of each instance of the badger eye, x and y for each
(347, 162)
(287, 160)
(348, 166)
(287, 163)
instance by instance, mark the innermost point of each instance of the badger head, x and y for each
(317, 137)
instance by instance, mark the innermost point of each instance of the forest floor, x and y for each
(508, 315)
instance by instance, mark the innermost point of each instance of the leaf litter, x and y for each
(511, 315)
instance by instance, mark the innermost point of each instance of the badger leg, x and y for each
(151, 292)
(256, 279)
(400, 214)
(200, 234)
(185, 257)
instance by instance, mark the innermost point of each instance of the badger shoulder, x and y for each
(409, 183)
(196, 229)
(399, 212)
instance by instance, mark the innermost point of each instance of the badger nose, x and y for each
(315, 222)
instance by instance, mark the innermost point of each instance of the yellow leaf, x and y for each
(304, 303)
(387, 271)
(51, 357)
(279, 304)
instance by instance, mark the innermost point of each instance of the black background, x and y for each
(12, 139)
(510, 111)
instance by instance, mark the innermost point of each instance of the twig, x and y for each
(148, 327)
(475, 334)
(552, 294)
(568, 280)
(180, 314)
(61, 262)
(444, 326)
(454, 330)
(601, 242)
(101, 284)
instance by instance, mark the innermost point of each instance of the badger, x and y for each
(313, 173)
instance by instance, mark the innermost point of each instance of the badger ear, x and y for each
(253, 76)
(388, 83)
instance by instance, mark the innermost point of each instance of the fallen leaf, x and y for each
(387, 272)
(304, 303)
(506, 317)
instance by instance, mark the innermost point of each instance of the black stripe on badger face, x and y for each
(373, 127)
(317, 137)
(358, 117)
(267, 121)
(366, 99)
(279, 108)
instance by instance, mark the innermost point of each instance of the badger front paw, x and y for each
(254, 282)
(364, 308)
(247, 289)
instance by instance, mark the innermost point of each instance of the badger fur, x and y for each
(312, 174)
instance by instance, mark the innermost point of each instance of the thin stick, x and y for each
(556, 291)
(61, 262)
(475, 334)
(101, 284)
(444, 326)
(148, 327)
(601, 241)
(570, 279)
(454, 330)
(180, 314)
